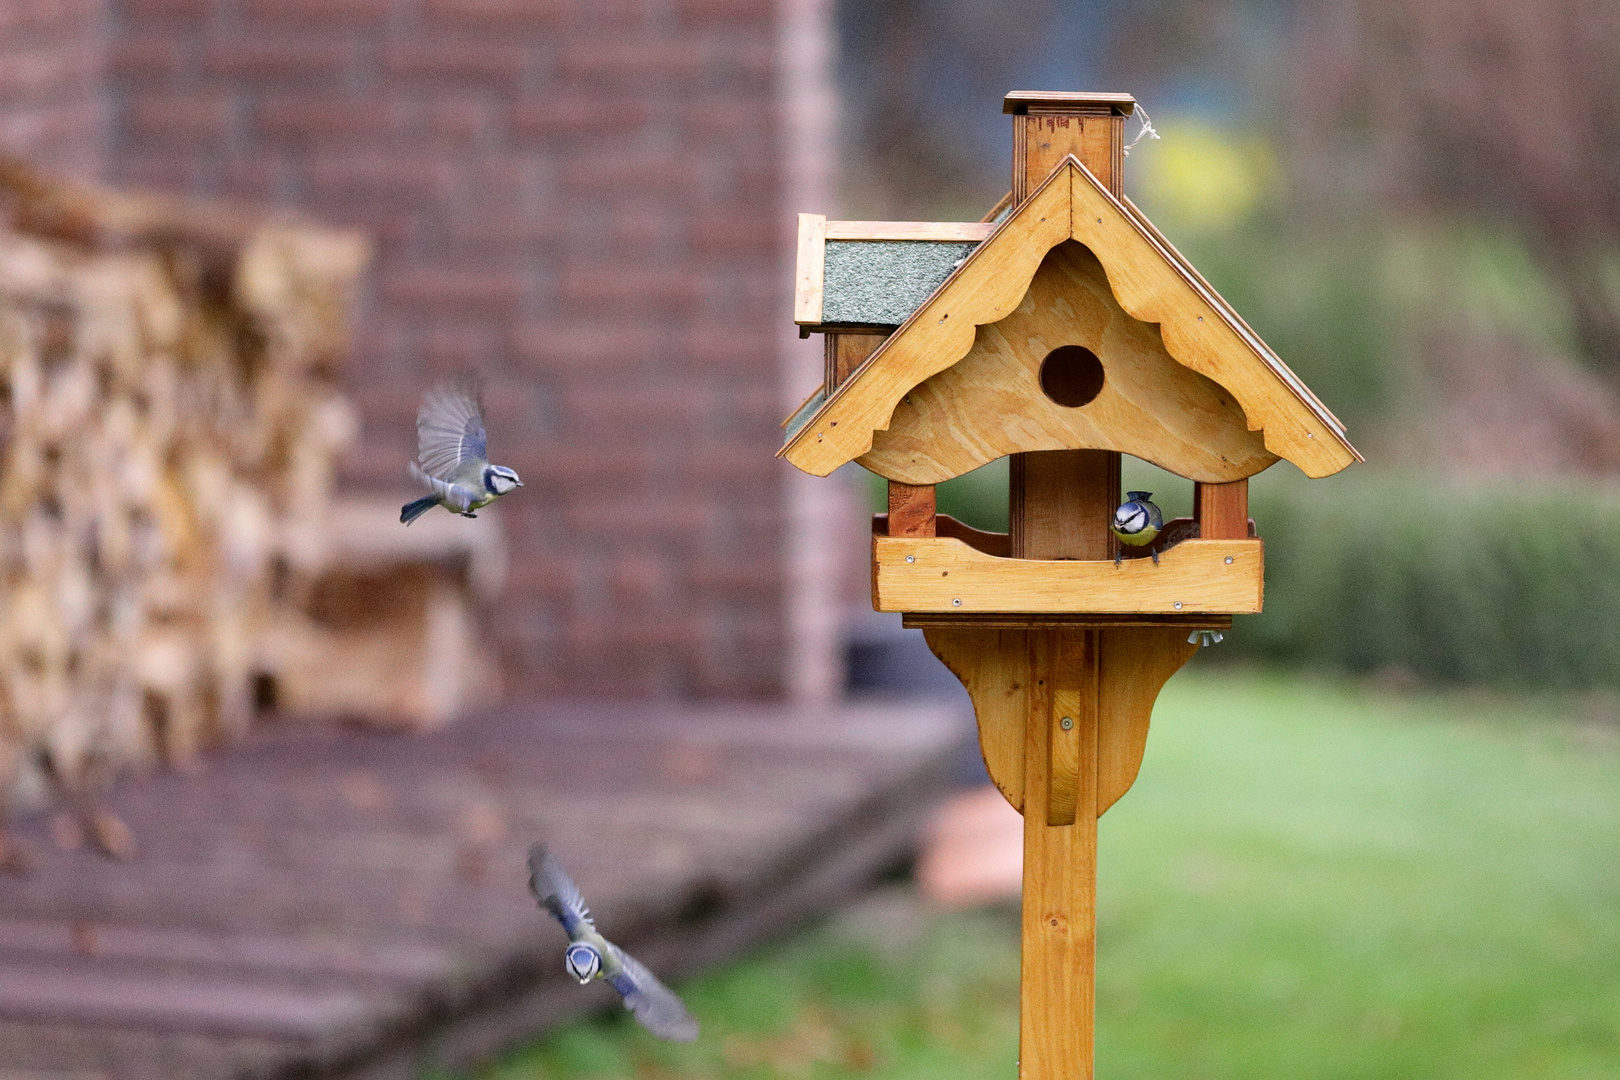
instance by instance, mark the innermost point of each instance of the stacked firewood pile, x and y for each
(169, 418)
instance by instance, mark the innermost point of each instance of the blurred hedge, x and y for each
(1502, 583)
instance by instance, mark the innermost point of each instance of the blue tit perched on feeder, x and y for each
(591, 956)
(452, 457)
(1137, 521)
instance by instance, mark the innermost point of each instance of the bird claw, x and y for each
(1155, 556)
(1118, 556)
(466, 513)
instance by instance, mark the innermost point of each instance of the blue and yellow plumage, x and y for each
(452, 457)
(591, 956)
(1137, 521)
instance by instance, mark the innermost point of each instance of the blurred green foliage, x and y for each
(1309, 880)
(1504, 583)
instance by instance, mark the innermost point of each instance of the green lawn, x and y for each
(1310, 880)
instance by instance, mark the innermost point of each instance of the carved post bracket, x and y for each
(1063, 712)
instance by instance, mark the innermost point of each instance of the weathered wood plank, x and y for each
(303, 904)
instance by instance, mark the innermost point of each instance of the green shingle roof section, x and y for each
(881, 282)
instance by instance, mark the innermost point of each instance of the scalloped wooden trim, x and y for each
(1152, 283)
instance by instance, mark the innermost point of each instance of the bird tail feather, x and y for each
(413, 510)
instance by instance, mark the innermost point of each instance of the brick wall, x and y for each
(51, 82)
(581, 199)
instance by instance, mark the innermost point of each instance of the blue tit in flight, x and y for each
(451, 456)
(591, 956)
(1137, 521)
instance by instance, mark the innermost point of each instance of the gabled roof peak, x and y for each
(1152, 282)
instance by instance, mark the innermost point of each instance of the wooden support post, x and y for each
(1057, 998)
(1222, 510)
(1060, 503)
(911, 509)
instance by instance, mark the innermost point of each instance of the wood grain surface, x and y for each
(1152, 284)
(990, 403)
(943, 574)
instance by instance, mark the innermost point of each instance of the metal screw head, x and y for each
(1066, 723)
(913, 558)
(956, 603)
(1228, 559)
(1178, 605)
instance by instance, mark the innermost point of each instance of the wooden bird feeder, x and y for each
(1063, 330)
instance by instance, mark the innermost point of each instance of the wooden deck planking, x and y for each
(341, 905)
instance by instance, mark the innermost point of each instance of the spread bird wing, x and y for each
(654, 1004)
(449, 430)
(556, 891)
(456, 496)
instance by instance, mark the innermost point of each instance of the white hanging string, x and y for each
(1145, 132)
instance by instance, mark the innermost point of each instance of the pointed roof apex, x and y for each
(1152, 282)
(1023, 102)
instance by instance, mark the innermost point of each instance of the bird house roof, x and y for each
(1186, 384)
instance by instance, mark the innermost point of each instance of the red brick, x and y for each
(507, 15)
(313, 12)
(649, 288)
(724, 234)
(591, 346)
(757, 11)
(451, 346)
(62, 18)
(583, 468)
(148, 56)
(459, 117)
(547, 116)
(64, 119)
(45, 69)
(254, 179)
(167, 9)
(172, 119)
(604, 59)
(322, 115)
(455, 288)
(488, 229)
(497, 64)
(379, 178)
(160, 170)
(609, 247)
(644, 173)
(293, 58)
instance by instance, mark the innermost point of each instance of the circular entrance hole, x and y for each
(1072, 375)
